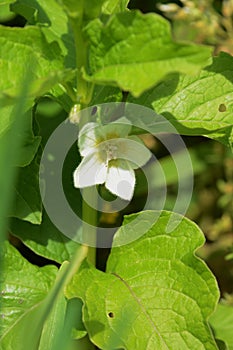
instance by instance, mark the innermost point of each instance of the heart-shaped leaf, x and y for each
(155, 294)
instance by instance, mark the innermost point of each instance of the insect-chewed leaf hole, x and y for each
(111, 314)
(222, 107)
(94, 110)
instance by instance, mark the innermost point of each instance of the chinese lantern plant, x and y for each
(155, 293)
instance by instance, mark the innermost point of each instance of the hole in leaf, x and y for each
(94, 110)
(222, 107)
(111, 314)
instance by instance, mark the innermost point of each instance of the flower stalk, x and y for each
(83, 97)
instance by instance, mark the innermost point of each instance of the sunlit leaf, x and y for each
(197, 105)
(135, 51)
(155, 294)
(114, 6)
(26, 51)
(52, 19)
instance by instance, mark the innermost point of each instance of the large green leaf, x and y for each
(25, 51)
(135, 51)
(52, 19)
(44, 239)
(222, 321)
(156, 294)
(27, 201)
(200, 104)
(24, 286)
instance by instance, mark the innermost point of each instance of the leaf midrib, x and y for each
(142, 307)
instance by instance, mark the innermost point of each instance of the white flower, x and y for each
(109, 156)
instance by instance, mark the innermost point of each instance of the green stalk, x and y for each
(89, 215)
(84, 89)
(84, 93)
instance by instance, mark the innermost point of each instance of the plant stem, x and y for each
(84, 93)
(84, 90)
(89, 215)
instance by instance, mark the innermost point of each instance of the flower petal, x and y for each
(121, 181)
(91, 171)
(119, 128)
(133, 150)
(87, 138)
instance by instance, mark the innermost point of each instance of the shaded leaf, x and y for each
(30, 143)
(105, 94)
(222, 321)
(44, 239)
(11, 139)
(27, 201)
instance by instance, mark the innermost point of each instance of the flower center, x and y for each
(111, 151)
(108, 151)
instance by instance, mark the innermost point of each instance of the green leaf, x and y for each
(54, 324)
(44, 239)
(27, 201)
(5, 2)
(200, 104)
(24, 286)
(52, 19)
(11, 139)
(135, 51)
(105, 94)
(74, 306)
(5, 13)
(73, 8)
(30, 143)
(26, 51)
(156, 294)
(92, 9)
(83, 9)
(40, 322)
(113, 6)
(222, 321)
(221, 345)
